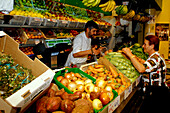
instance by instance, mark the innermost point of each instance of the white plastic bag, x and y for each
(6, 5)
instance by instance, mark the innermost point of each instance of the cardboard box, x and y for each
(23, 97)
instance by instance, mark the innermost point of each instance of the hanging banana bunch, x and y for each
(108, 6)
(129, 15)
(91, 3)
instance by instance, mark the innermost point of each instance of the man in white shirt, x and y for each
(82, 45)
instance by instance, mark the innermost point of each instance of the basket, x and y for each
(80, 25)
(49, 22)
(72, 24)
(62, 23)
(34, 21)
(1, 21)
(18, 20)
(67, 70)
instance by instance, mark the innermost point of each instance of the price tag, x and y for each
(39, 56)
(125, 2)
(64, 21)
(2, 33)
(114, 104)
(127, 91)
(138, 80)
(37, 19)
(54, 20)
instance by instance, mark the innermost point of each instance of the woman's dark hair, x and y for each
(91, 24)
(153, 40)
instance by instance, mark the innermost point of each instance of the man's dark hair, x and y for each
(91, 24)
(153, 40)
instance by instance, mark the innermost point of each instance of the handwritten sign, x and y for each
(127, 91)
(114, 104)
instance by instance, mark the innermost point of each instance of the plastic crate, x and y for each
(72, 24)
(83, 74)
(34, 21)
(49, 22)
(67, 70)
(81, 25)
(18, 20)
(62, 23)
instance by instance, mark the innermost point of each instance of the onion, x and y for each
(72, 74)
(79, 82)
(74, 78)
(110, 95)
(59, 78)
(108, 88)
(89, 88)
(97, 104)
(83, 95)
(68, 76)
(88, 81)
(72, 86)
(80, 88)
(64, 81)
(104, 98)
(96, 89)
(101, 83)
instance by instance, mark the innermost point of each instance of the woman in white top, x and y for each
(82, 45)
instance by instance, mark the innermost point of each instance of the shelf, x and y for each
(42, 27)
(27, 26)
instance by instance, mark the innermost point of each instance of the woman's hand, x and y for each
(127, 51)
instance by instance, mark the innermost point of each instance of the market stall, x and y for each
(35, 41)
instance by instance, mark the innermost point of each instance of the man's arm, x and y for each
(87, 52)
(82, 53)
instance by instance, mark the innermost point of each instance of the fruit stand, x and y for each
(37, 37)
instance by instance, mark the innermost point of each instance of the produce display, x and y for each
(33, 33)
(28, 12)
(108, 79)
(123, 65)
(13, 76)
(76, 82)
(108, 6)
(91, 3)
(121, 10)
(27, 50)
(138, 51)
(60, 101)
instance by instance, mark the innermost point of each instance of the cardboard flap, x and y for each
(20, 57)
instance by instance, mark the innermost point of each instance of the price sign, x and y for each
(127, 91)
(114, 104)
(138, 80)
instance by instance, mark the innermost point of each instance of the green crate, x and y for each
(83, 74)
(74, 70)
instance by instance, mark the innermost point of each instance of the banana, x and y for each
(90, 1)
(104, 5)
(112, 6)
(96, 3)
(84, 1)
(104, 8)
(108, 7)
